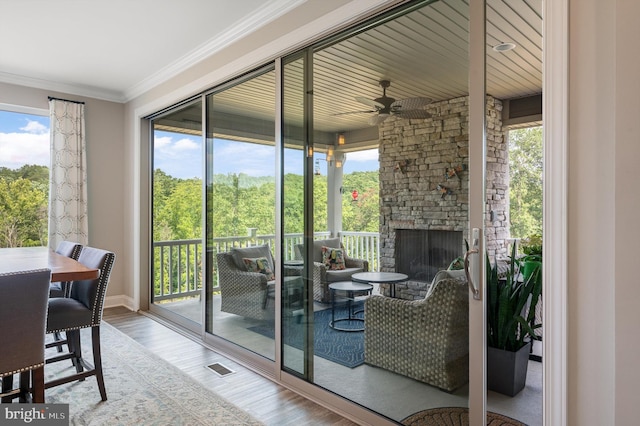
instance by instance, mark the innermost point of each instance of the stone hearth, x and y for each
(418, 191)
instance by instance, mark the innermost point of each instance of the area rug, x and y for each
(455, 416)
(342, 347)
(142, 389)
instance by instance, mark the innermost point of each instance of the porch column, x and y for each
(334, 195)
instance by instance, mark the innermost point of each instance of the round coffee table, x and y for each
(352, 289)
(390, 278)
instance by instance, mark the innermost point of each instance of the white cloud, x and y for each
(186, 145)
(18, 149)
(35, 127)
(361, 156)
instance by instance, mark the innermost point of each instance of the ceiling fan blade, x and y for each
(374, 120)
(410, 103)
(413, 113)
(369, 102)
(353, 112)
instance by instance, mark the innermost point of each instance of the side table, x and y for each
(352, 289)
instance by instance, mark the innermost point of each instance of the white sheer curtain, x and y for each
(68, 174)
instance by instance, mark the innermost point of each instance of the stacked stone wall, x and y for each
(417, 188)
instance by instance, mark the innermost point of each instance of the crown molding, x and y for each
(250, 23)
(67, 88)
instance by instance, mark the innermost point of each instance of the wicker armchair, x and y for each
(428, 339)
(242, 293)
(322, 276)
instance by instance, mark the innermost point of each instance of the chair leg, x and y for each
(7, 385)
(97, 361)
(73, 339)
(37, 381)
(25, 383)
(57, 337)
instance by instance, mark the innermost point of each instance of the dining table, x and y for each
(63, 268)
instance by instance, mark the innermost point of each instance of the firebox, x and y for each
(422, 253)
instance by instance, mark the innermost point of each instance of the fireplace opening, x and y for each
(422, 253)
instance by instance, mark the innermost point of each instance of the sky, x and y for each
(180, 155)
(24, 139)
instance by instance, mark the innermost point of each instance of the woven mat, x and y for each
(455, 416)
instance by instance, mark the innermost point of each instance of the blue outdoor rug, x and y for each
(342, 347)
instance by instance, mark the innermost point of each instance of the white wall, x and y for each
(604, 295)
(105, 159)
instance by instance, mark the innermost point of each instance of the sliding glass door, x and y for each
(396, 339)
(240, 199)
(335, 268)
(177, 215)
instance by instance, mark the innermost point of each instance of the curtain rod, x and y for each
(65, 100)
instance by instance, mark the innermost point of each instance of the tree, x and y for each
(525, 186)
(23, 213)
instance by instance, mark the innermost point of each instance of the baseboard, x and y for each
(120, 300)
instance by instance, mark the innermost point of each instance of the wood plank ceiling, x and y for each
(423, 54)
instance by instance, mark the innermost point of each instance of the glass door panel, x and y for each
(384, 342)
(514, 198)
(240, 214)
(177, 214)
(296, 325)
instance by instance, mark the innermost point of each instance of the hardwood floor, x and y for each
(265, 400)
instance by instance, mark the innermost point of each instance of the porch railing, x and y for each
(177, 265)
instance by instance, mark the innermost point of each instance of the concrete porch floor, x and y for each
(391, 394)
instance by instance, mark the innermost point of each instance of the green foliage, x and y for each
(532, 247)
(23, 212)
(507, 300)
(362, 215)
(525, 186)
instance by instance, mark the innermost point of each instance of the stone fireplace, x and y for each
(424, 188)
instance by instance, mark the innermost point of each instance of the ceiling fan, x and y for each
(386, 106)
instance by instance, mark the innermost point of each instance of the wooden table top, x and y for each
(62, 268)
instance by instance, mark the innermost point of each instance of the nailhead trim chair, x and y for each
(68, 249)
(23, 313)
(82, 309)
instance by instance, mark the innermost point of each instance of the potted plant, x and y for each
(510, 325)
(532, 249)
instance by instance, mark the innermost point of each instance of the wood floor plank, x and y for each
(265, 400)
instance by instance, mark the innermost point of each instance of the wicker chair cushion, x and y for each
(253, 252)
(341, 275)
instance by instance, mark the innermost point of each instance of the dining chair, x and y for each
(23, 313)
(68, 249)
(62, 289)
(82, 309)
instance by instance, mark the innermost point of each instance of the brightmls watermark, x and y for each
(34, 414)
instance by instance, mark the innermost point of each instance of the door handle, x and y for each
(475, 249)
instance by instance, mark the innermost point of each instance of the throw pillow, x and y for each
(259, 264)
(333, 258)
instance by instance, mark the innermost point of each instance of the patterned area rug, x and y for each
(343, 347)
(455, 416)
(142, 389)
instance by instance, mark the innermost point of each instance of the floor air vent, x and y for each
(220, 369)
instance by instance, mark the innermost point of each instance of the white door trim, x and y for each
(555, 111)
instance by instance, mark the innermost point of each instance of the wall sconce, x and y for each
(309, 151)
(338, 163)
(341, 138)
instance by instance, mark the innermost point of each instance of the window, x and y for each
(24, 178)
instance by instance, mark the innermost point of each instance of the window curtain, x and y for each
(68, 174)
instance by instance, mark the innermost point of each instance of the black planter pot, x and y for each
(506, 370)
